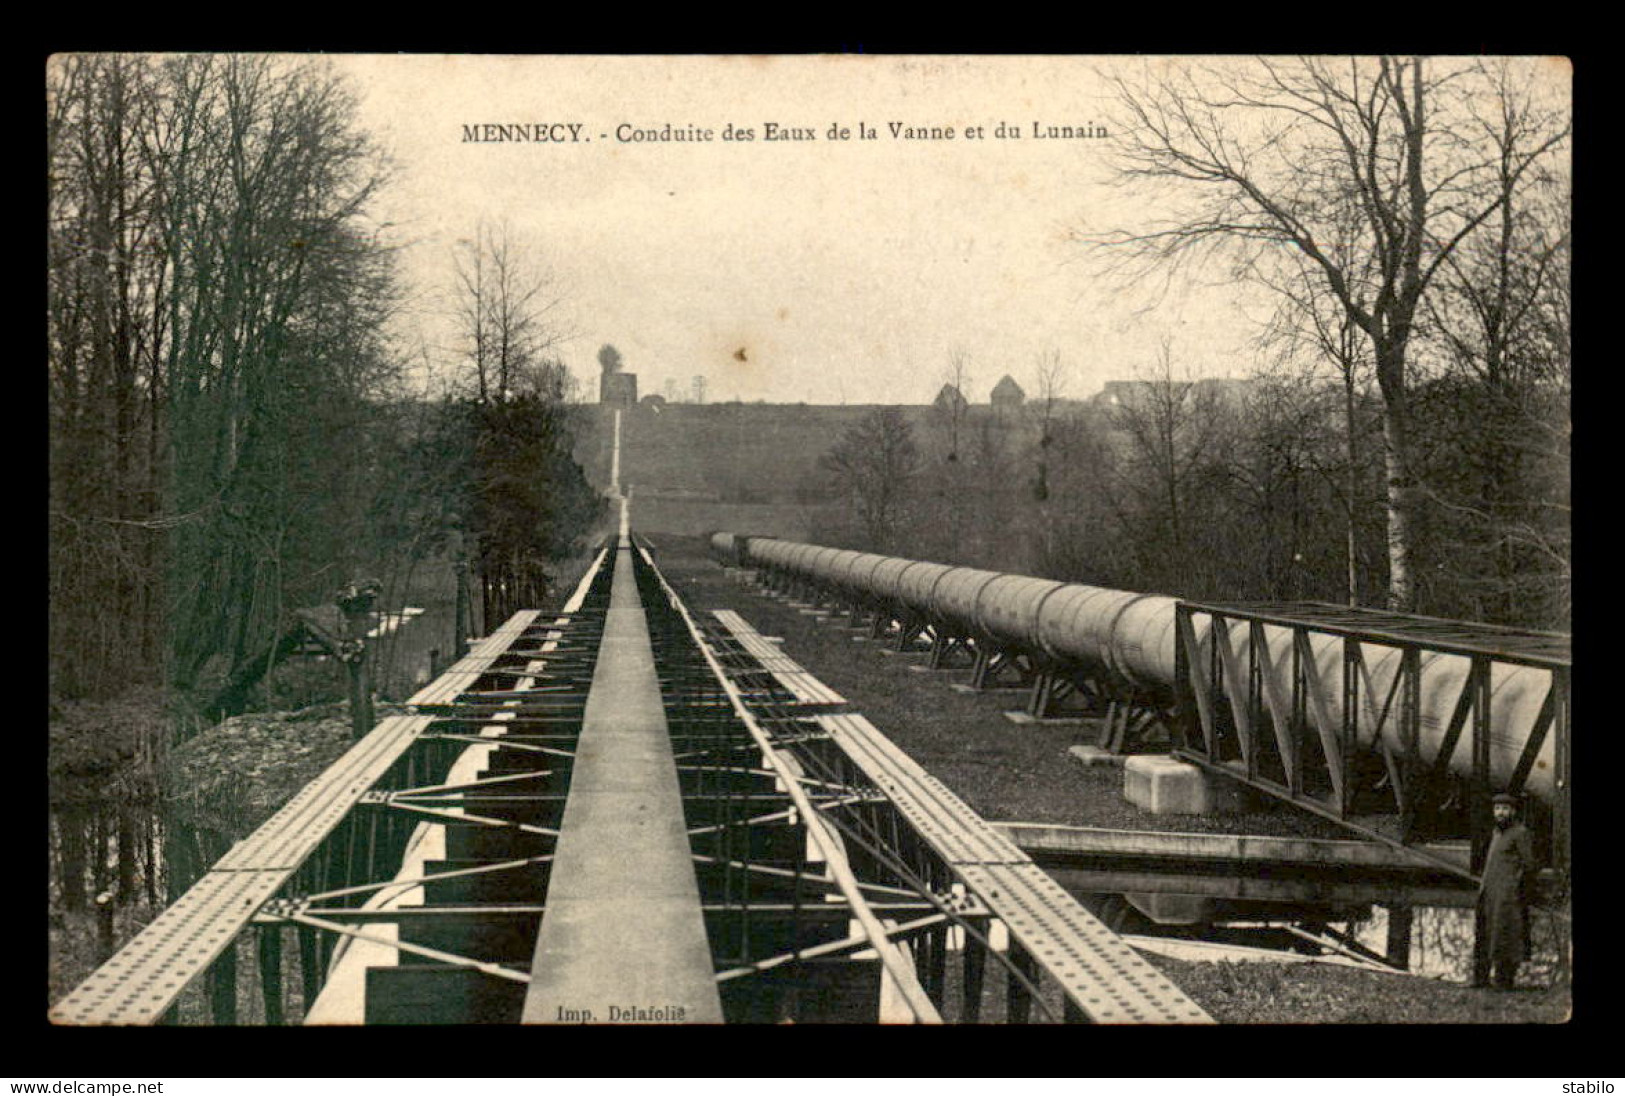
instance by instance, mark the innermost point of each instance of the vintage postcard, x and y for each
(815, 538)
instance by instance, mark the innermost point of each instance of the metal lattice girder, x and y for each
(511, 739)
(1101, 976)
(282, 906)
(465, 817)
(1098, 972)
(496, 970)
(1304, 689)
(807, 877)
(624, 917)
(852, 943)
(1518, 645)
(463, 673)
(141, 982)
(790, 674)
(146, 977)
(953, 828)
(897, 968)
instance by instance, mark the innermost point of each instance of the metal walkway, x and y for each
(623, 930)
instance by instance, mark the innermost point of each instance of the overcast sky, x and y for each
(839, 271)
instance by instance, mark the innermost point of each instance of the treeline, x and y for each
(1234, 491)
(1404, 440)
(231, 435)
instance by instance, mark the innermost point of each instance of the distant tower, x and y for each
(949, 398)
(615, 386)
(618, 389)
(1008, 394)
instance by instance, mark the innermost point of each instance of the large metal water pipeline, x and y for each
(1130, 637)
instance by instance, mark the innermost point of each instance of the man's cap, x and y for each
(1509, 800)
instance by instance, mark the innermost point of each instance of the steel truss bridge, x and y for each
(623, 813)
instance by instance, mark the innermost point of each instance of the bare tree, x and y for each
(1311, 331)
(278, 294)
(952, 404)
(874, 465)
(1501, 316)
(506, 307)
(105, 344)
(1270, 160)
(1169, 425)
(1053, 375)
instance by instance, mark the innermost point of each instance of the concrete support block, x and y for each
(1090, 756)
(1027, 719)
(1162, 785)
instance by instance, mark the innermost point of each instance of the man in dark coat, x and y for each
(1509, 879)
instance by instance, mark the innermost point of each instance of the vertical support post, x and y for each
(1255, 695)
(1019, 1002)
(1479, 807)
(270, 942)
(974, 961)
(223, 986)
(1480, 749)
(1300, 715)
(1400, 921)
(1351, 722)
(106, 926)
(1043, 691)
(310, 973)
(979, 668)
(795, 897)
(906, 631)
(936, 965)
(1409, 762)
(463, 624)
(744, 895)
(1560, 801)
(1184, 703)
(919, 951)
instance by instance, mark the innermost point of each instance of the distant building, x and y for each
(950, 398)
(1209, 391)
(1007, 393)
(618, 389)
(1124, 393)
(1226, 391)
